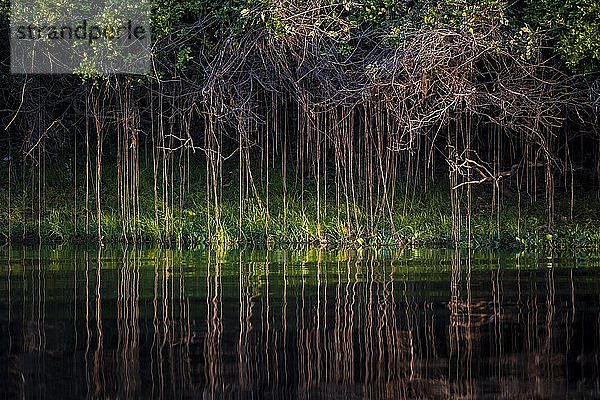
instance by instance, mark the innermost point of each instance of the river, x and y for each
(297, 323)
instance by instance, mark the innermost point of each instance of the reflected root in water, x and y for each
(155, 324)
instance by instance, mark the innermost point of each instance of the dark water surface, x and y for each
(297, 324)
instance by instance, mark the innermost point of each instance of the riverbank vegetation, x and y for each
(373, 122)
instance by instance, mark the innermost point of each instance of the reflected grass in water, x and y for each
(298, 324)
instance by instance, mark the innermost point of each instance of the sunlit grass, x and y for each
(423, 219)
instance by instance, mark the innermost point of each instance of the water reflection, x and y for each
(313, 324)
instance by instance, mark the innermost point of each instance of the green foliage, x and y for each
(576, 28)
(524, 43)
(345, 49)
(4, 10)
(465, 15)
(167, 15)
(219, 17)
(575, 24)
(376, 13)
(183, 57)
